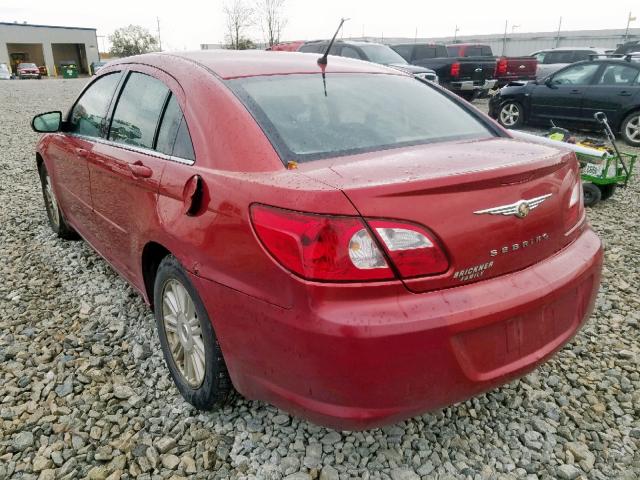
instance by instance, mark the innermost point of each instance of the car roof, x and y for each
(357, 43)
(228, 64)
(569, 49)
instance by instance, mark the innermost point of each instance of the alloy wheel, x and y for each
(633, 129)
(509, 115)
(184, 335)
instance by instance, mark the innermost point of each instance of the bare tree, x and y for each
(240, 17)
(271, 20)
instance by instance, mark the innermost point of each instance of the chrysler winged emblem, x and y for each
(520, 209)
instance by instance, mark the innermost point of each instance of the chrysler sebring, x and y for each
(342, 240)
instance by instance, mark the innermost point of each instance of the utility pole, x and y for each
(558, 36)
(415, 38)
(504, 39)
(159, 38)
(629, 20)
(455, 34)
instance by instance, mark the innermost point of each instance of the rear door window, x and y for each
(88, 115)
(137, 113)
(426, 51)
(173, 135)
(562, 56)
(618, 75)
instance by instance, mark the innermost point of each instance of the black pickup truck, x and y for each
(469, 77)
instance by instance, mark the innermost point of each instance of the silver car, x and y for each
(553, 59)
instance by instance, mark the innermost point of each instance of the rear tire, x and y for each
(591, 194)
(630, 129)
(189, 343)
(511, 115)
(607, 191)
(57, 222)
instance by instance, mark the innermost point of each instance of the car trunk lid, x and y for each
(446, 187)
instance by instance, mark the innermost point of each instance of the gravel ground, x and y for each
(85, 392)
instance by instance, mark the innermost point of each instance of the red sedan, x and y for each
(346, 242)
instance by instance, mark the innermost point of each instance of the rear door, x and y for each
(127, 168)
(615, 87)
(562, 98)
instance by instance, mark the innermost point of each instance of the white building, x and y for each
(47, 45)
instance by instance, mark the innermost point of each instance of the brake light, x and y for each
(320, 247)
(455, 69)
(342, 248)
(501, 66)
(575, 207)
(412, 250)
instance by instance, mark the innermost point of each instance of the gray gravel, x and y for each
(84, 391)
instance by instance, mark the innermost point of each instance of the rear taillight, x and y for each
(320, 247)
(412, 250)
(575, 207)
(342, 248)
(455, 69)
(501, 66)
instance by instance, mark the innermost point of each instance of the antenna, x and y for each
(323, 59)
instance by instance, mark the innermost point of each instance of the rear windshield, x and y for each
(358, 113)
(27, 65)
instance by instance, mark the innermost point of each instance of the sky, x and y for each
(185, 24)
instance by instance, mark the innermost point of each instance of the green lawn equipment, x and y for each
(602, 168)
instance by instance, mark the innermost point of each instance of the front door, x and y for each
(126, 171)
(71, 151)
(613, 91)
(562, 96)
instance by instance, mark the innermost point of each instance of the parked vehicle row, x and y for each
(469, 70)
(369, 237)
(572, 95)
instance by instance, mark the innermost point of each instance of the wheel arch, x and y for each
(624, 115)
(39, 161)
(152, 254)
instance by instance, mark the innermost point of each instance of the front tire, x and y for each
(56, 219)
(631, 129)
(189, 343)
(591, 194)
(511, 115)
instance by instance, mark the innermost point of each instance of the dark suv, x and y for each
(371, 52)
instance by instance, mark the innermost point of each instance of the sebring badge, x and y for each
(520, 209)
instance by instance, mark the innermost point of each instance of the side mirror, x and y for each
(47, 122)
(549, 82)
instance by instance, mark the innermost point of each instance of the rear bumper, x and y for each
(355, 364)
(470, 85)
(29, 75)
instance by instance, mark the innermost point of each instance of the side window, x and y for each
(350, 52)
(313, 48)
(138, 110)
(581, 55)
(90, 111)
(486, 51)
(425, 51)
(183, 148)
(576, 75)
(173, 136)
(618, 75)
(539, 57)
(559, 56)
(404, 51)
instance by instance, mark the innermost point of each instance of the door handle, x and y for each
(624, 93)
(81, 152)
(140, 170)
(575, 92)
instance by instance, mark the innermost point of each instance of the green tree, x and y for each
(132, 40)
